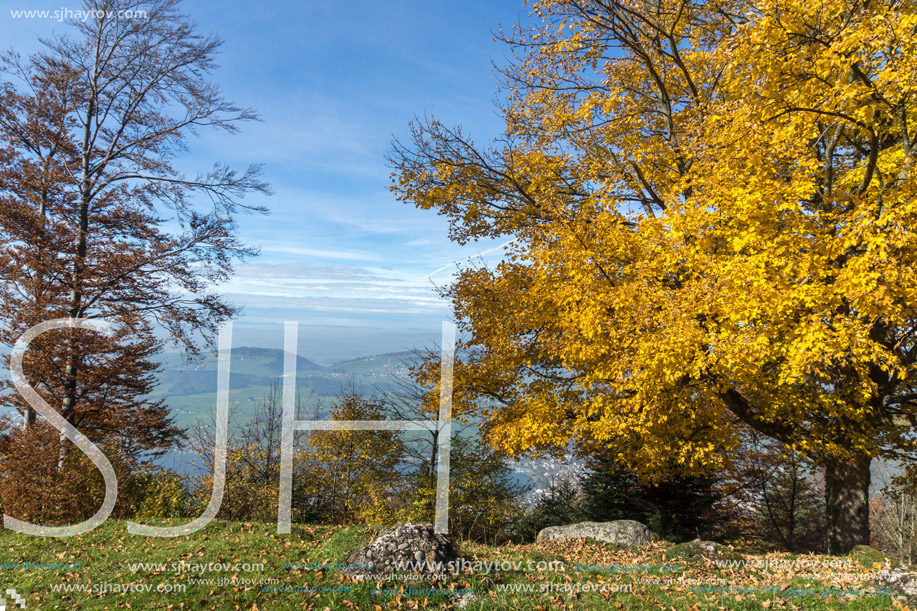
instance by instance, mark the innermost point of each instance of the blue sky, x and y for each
(333, 82)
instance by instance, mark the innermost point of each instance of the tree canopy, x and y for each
(711, 208)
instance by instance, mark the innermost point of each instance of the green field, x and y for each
(250, 568)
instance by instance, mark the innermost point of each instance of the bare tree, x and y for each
(895, 514)
(253, 458)
(96, 221)
(408, 399)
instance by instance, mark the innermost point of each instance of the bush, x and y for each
(678, 509)
(34, 489)
(352, 476)
(484, 501)
(252, 467)
(159, 493)
(338, 476)
(347, 476)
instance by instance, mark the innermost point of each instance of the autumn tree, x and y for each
(351, 475)
(96, 221)
(711, 208)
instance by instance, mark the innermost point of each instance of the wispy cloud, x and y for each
(333, 83)
(340, 254)
(456, 265)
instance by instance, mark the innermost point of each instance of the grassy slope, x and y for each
(108, 551)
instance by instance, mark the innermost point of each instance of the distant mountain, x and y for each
(190, 388)
(391, 361)
(272, 358)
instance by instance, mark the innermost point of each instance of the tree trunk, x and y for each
(847, 496)
(30, 413)
(76, 279)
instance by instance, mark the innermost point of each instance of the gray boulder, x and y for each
(623, 533)
(902, 582)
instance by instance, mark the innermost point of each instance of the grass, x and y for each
(108, 560)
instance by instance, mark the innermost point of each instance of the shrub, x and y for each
(484, 500)
(159, 493)
(349, 475)
(34, 489)
(678, 509)
(252, 467)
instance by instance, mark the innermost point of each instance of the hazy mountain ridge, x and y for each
(190, 387)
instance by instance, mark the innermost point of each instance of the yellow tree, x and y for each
(710, 206)
(350, 474)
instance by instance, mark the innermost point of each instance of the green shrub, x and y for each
(867, 556)
(484, 501)
(159, 493)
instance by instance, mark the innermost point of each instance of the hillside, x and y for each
(190, 388)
